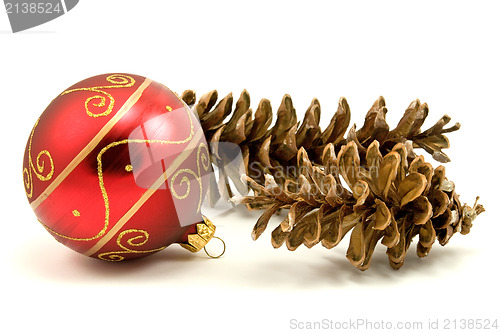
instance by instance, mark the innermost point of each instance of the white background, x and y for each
(444, 53)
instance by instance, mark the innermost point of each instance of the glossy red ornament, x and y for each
(116, 168)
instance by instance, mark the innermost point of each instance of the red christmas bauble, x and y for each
(116, 168)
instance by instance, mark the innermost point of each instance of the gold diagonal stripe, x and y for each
(146, 195)
(92, 144)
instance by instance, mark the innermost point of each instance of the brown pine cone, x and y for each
(268, 149)
(393, 197)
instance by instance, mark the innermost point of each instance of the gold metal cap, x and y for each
(204, 232)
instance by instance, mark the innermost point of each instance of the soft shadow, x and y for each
(55, 263)
(334, 270)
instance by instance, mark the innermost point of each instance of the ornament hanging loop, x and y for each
(223, 249)
(204, 233)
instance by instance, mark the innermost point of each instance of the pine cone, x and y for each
(393, 197)
(268, 149)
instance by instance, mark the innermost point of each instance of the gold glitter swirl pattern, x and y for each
(28, 183)
(117, 81)
(39, 170)
(201, 156)
(140, 238)
(101, 178)
(184, 179)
